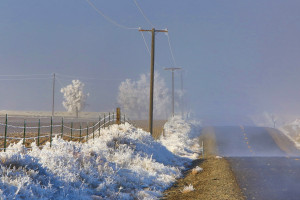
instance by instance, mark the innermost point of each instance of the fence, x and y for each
(38, 129)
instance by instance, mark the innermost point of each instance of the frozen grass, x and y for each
(196, 170)
(123, 163)
(188, 189)
(182, 138)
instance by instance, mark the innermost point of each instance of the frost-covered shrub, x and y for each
(74, 98)
(188, 188)
(181, 137)
(134, 97)
(122, 163)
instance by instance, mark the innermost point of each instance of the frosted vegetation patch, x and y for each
(122, 163)
(74, 97)
(133, 97)
(182, 137)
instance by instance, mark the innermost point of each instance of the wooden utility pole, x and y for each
(172, 69)
(53, 92)
(153, 31)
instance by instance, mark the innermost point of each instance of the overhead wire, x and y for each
(149, 22)
(132, 28)
(72, 77)
(108, 18)
(60, 83)
(142, 12)
(145, 43)
(170, 47)
(26, 75)
(23, 79)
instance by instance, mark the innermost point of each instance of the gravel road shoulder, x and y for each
(216, 181)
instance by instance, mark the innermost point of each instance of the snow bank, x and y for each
(181, 137)
(123, 163)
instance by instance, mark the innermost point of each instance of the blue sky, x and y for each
(240, 57)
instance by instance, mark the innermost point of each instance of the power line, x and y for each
(149, 22)
(170, 47)
(23, 79)
(145, 43)
(147, 47)
(72, 76)
(87, 79)
(141, 11)
(25, 75)
(58, 80)
(108, 18)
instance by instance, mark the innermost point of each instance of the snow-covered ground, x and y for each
(123, 163)
(181, 137)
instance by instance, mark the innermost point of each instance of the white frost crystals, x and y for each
(182, 137)
(122, 163)
(74, 98)
(188, 188)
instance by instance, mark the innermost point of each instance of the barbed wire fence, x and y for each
(43, 129)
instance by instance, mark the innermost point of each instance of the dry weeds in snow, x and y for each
(188, 188)
(196, 170)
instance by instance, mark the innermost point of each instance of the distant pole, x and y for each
(152, 76)
(172, 69)
(53, 92)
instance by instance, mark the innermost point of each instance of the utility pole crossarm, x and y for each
(172, 68)
(144, 30)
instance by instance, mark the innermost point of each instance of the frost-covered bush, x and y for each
(188, 188)
(134, 97)
(74, 97)
(181, 137)
(123, 163)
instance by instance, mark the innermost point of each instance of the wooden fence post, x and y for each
(104, 121)
(99, 125)
(24, 132)
(80, 133)
(51, 130)
(93, 131)
(62, 127)
(5, 136)
(39, 132)
(109, 119)
(118, 116)
(71, 131)
(87, 132)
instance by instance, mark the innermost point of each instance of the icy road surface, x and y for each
(266, 165)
